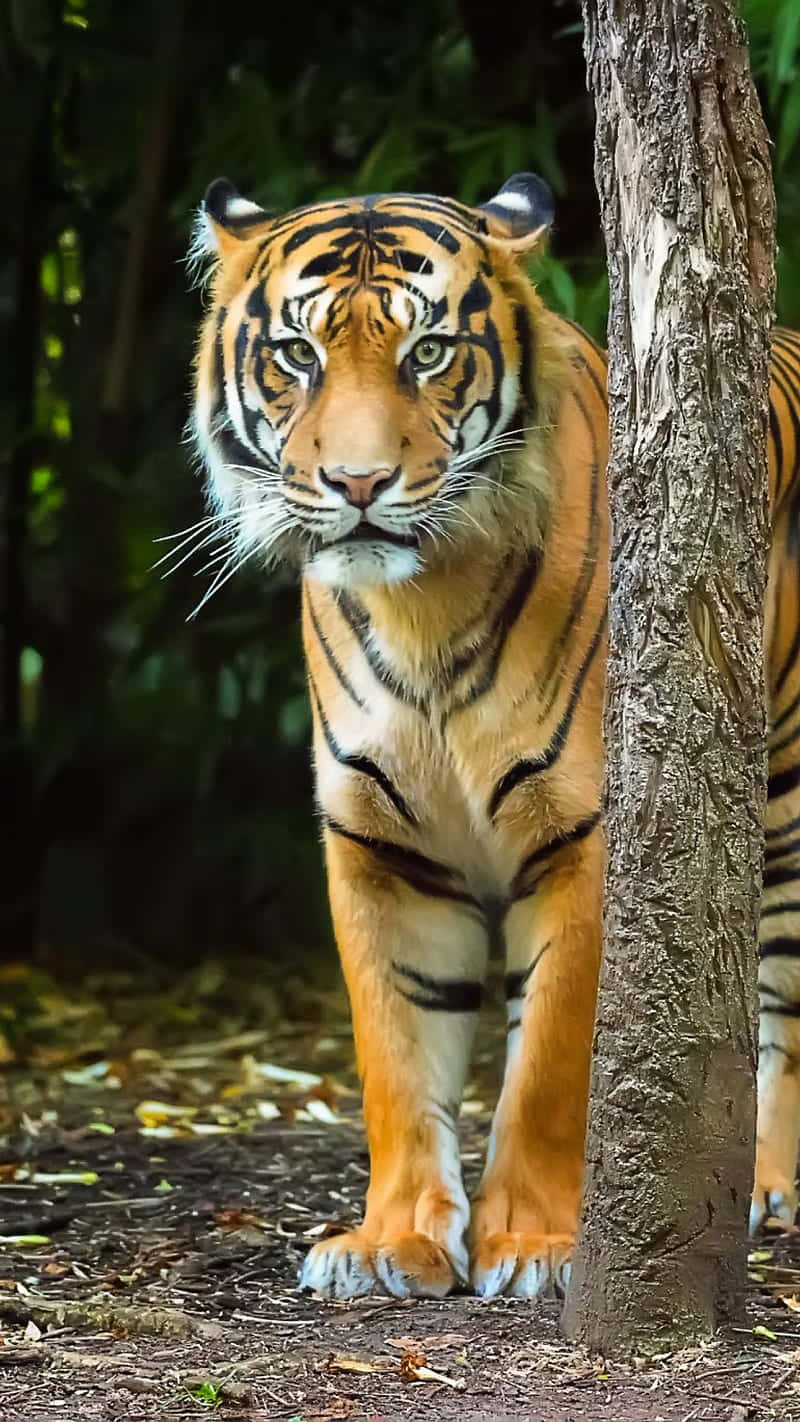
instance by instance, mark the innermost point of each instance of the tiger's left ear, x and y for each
(519, 215)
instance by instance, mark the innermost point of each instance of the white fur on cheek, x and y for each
(222, 484)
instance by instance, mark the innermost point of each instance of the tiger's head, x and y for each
(364, 367)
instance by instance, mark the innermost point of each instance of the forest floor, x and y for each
(166, 1158)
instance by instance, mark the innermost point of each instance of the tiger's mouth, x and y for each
(371, 533)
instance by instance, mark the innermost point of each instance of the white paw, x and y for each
(772, 1204)
(521, 1266)
(337, 1273)
(349, 1265)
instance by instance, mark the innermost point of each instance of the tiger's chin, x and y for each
(373, 560)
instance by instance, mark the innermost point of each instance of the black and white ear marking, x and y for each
(223, 204)
(523, 207)
(223, 219)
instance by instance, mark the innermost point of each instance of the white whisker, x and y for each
(197, 543)
(201, 523)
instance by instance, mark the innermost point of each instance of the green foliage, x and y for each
(774, 30)
(170, 795)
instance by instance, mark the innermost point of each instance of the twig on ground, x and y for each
(104, 1314)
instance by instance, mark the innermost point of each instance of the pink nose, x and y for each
(360, 489)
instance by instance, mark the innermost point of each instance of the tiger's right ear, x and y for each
(224, 219)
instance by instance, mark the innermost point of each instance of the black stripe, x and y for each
(779, 851)
(516, 983)
(783, 782)
(784, 947)
(525, 339)
(787, 712)
(219, 368)
(438, 235)
(788, 828)
(588, 566)
(775, 876)
(440, 994)
(775, 435)
(502, 626)
(425, 876)
(775, 1047)
(788, 740)
(600, 389)
(790, 906)
(454, 212)
(521, 890)
(360, 763)
(524, 769)
(598, 350)
(785, 1007)
(358, 621)
(343, 222)
(338, 671)
(476, 298)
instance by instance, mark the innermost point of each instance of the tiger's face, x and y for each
(362, 369)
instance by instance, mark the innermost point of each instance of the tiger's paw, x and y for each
(774, 1197)
(521, 1265)
(523, 1228)
(409, 1265)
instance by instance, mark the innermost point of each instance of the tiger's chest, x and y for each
(471, 771)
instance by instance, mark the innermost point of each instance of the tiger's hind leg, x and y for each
(778, 1123)
(526, 1213)
(414, 955)
(778, 1130)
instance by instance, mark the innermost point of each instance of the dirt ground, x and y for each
(166, 1159)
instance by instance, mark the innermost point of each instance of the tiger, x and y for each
(383, 402)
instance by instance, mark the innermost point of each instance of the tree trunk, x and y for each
(687, 203)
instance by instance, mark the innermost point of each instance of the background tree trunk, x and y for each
(687, 203)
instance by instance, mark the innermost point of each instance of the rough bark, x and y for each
(687, 203)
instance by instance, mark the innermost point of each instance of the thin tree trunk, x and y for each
(687, 203)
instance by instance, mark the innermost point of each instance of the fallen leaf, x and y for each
(320, 1111)
(153, 1114)
(84, 1076)
(355, 1365)
(32, 1332)
(412, 1370)
(272, 1072)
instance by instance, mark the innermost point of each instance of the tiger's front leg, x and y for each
(526, 1213)
(414, 950)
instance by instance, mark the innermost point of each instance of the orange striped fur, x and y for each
(382, 398)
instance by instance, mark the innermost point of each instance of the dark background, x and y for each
(156, 791)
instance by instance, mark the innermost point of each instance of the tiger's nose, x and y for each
(360, 489)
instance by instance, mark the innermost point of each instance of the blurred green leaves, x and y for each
(170, 757)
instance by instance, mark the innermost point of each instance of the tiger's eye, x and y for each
(300, 353)
(427, 352)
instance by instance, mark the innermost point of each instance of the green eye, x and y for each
(427, 352)
(300, 353)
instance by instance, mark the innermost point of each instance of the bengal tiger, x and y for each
(383, 399)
